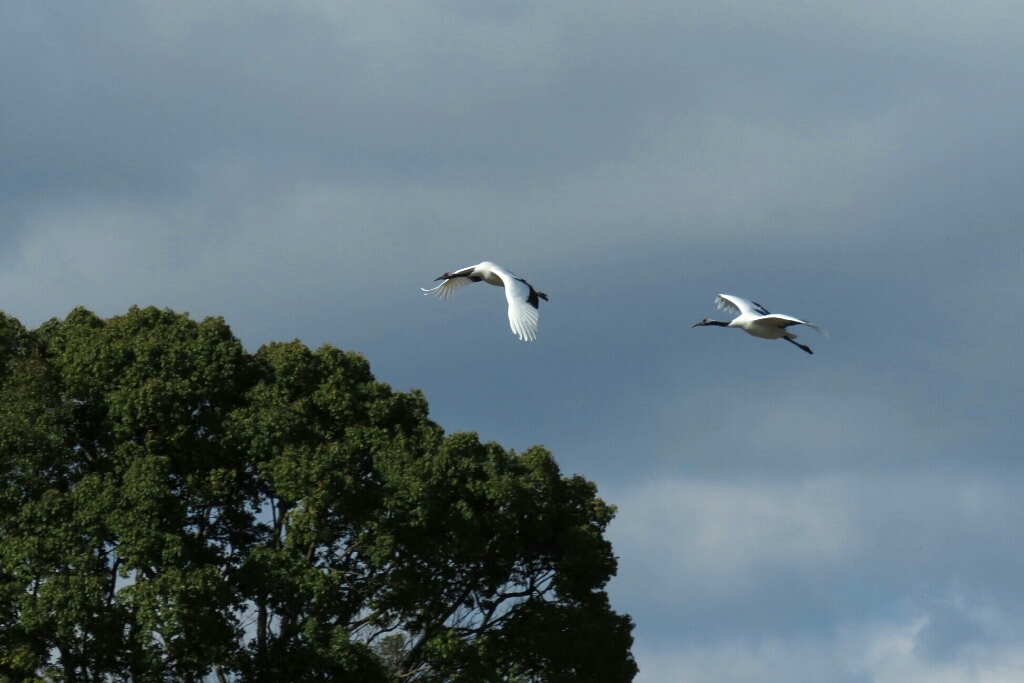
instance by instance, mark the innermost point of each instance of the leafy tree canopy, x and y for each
(173, 508)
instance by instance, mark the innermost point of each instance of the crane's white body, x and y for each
(756, 320)
(523, 299)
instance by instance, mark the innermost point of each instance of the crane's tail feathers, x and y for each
(820, 330)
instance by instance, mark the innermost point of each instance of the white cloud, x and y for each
(690, 546)
(885, 652)
(722, 538)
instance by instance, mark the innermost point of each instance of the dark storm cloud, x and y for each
(129, 98)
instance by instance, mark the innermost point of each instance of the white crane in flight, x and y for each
(754, 319)
(523, 299)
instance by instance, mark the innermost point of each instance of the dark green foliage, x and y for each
(173, 508)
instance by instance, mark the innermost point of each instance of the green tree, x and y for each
(125, 513)
(174, 508)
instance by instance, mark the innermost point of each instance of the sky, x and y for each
(303, 167)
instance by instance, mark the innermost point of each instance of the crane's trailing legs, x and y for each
(802, 346)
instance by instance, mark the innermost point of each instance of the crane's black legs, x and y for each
(796, 343)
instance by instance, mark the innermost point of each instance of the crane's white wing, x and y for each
(522, 317)
(738, 305)
(458, 279)
(783, 321)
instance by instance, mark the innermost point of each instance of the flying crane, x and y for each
(523, 299)
(754, 319)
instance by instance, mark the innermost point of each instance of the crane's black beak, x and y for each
(446, 276)
(699, 323)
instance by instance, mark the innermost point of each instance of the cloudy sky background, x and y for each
(303, 167)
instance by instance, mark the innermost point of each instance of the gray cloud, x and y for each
(734, 556)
